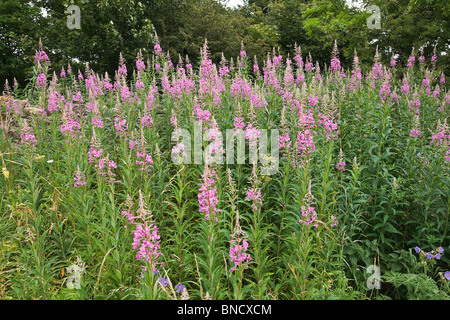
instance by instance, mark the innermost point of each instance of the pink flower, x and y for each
(54, 99)
(309, 67)
(255, 68)
(284, 142)
(414, 104)
(121, 127)
(79, 178)
(97, 122)
(145, 162)
(239, 123)
(94, 153)
(433, 58)
(255, 196)
(70, 126)
(340, 165)
(334, 221)
(288, 75)
(238, 248)
(147, 121)
(78, 97)
(377, 71)
(207, 198)
(335, 64)
(41, 80)
(305, 142)
(12, 105)
(439, 137)
(405, 87)
(415, 133)
(139, 85)
(385, 90)
(145, 236)
(122, 70)
(252, 134)
(125, 94)
(298, 60)
(308, 215)
(41, 56)
(157, 49)
(313, 101)
(224, 71)
(27, 136)
(411, 61)
(140, 65)
(254, 193)
(105, 167)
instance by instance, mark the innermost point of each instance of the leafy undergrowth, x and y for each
(128, 189)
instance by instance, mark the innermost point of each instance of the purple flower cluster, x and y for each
(340, 165)
(207, 198)
(308, 215)
(79, 178)
(238, 249)
(146, 237)
(435, 254)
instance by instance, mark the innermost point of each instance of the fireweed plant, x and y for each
(89, 178)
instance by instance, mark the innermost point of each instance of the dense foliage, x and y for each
(95, 205)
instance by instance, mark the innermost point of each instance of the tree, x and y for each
(108, 28)
(414, 23)
(19, 22)
(328, 21)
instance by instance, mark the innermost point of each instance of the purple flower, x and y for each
(179, 287)
(207, 198)
(157, 48)
(41, 55)
(146, 238)
(437, 256)
(238, 250)
(447, 275)
(164, 282)
(417, 249)
(415, 133)
(79, 178)
(41, 80)
(440, 250)
(429, 255)
(340, 165)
